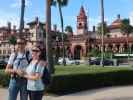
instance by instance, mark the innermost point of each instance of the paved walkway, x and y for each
(111, 93)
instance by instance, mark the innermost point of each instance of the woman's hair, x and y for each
(42, 55)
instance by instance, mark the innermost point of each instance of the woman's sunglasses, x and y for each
(35, 50)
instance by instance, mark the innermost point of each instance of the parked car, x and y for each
(2, 64)
(98, 62)
(94, 62)
(68, 61)
(77, 62)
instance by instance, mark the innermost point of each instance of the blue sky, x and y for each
(10, 11)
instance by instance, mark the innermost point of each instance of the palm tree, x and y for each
(126, 29)
(99, 29)
(102, 30)
(62, 3)
(21, 27)
(48, 36)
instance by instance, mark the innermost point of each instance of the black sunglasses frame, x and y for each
(36, 50)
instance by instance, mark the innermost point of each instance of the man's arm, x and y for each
(9, 69)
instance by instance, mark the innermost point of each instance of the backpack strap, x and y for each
(36, 65)
(27, 56)
(15, 56)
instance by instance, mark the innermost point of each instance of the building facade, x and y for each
(82, 42)
(33, 35)
(77, 45)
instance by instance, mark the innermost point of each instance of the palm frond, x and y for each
(62, 2)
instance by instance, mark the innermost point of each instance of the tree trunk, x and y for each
(21, 27)
(102, 21)
(62, 28)
(49, 54)
(128, 49)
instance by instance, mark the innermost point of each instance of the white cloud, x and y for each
(12, 17)
(131, 18)
(9, 17)
(95, 21)
(17, 3)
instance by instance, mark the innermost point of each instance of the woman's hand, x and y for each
(20, 72)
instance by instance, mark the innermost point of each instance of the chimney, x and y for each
(118, 16)
(94, 29)
(55, 27)
(14, 27)
(37, 19)
(9, 25)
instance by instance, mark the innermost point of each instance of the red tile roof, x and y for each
(115, 40)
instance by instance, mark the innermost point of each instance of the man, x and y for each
(17, 63)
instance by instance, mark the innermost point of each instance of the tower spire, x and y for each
(82, 25)
(82, 11)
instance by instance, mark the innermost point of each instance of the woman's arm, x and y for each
(38, 73)
(35, 76)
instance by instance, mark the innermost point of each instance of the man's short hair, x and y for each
(21, 40)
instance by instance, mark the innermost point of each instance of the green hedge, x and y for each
(4, 79)
(73, 83)
(76, 78)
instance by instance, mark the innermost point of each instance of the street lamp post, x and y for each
(63, 46)
(102, 30)
(57, 50)
(0, 48)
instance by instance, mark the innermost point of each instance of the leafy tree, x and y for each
(94, 53)
(59, 35)
(99, 29)
(126, 28)
(69, 29)
(108, 55)
(13, 40)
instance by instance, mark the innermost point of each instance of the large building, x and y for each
(5, 33)
(34, 34)
(84, 41)
(77, 45)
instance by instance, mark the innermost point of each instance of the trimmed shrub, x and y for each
(4, 79)
(74, 79)
(64, 84)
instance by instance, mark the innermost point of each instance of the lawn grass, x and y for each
(74, 78)
(86, 69)
(71, 78)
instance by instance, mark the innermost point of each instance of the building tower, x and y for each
(82, 27)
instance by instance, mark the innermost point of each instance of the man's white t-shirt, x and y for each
(18, 60)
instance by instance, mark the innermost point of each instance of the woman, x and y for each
(34, 73)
